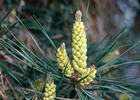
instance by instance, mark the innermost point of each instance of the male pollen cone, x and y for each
(50, 91)
(63, 60)
(79, 44)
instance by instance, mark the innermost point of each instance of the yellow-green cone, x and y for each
(79, 45)
(63, 61)
(91, 74)
(112, 56)
(50, 91)
(124, 97)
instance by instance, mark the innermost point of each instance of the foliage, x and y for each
(25, 64)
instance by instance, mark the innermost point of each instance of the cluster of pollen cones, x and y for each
(79, 50)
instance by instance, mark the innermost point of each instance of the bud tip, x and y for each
(63, 45)
(78, 16)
